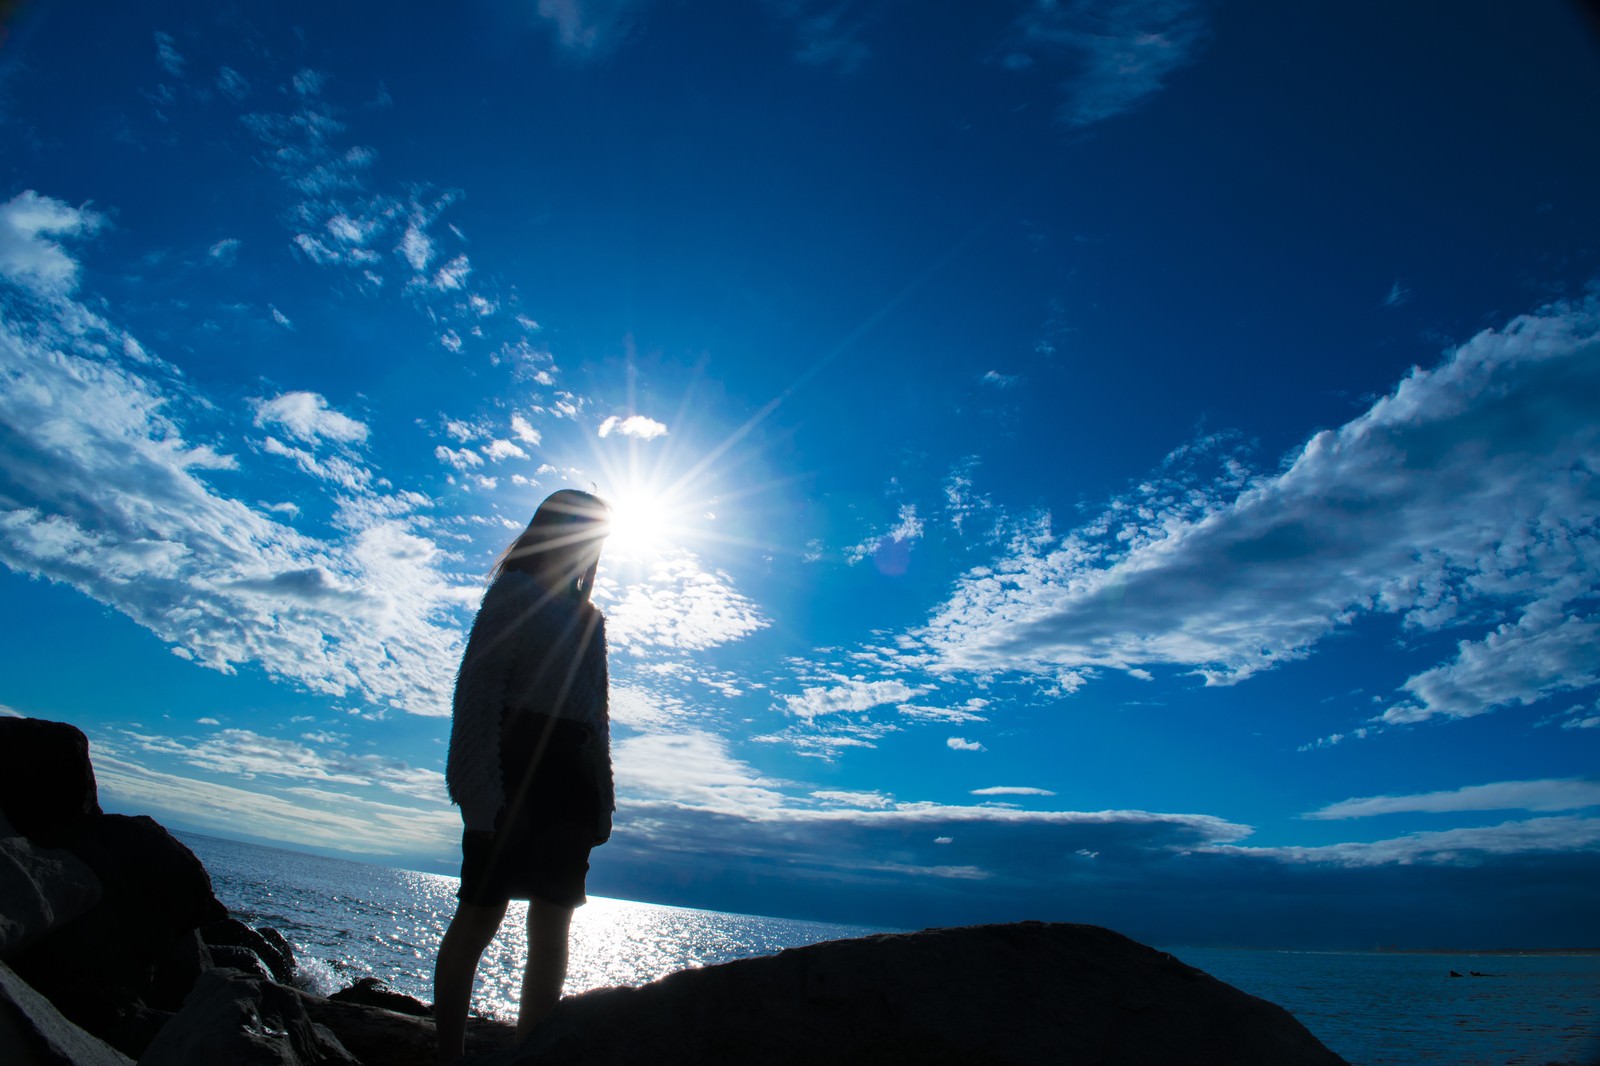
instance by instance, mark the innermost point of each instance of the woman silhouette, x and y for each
(530, 762)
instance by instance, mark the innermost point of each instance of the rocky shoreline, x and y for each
(115, 950)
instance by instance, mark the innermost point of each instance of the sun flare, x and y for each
(641, 523)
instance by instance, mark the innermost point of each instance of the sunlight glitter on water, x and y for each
(351, 920)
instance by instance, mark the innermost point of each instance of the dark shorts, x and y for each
(540, 846)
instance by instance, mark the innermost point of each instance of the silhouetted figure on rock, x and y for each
(529, 762)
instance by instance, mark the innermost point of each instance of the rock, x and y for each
(176, 972)
(1021, 994)
(231, 957)
(372, 992)
(34, 1033)
(285, 952)
(47, 786)
(243, 1020)
(98, 968)
(381, 1037)
(277, 956)
(41, 889)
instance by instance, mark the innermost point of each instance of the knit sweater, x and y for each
(530, 651)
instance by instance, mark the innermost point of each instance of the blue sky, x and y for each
(1127, 463)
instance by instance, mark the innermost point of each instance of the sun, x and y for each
(642, 523)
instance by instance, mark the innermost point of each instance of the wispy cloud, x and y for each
(108, 494)
(1114, 53)
(303, 815)
(306, 416)
(963, 744)
(678, 604)
(892, 542)
(1011, 790)
(590, 28)
(1465, 846)
(829, 33)
(1555, 794)
(1463, 496)
(168, 56)
(31, 255)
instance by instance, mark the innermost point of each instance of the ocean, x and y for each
(349, 920)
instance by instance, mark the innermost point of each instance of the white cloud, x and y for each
(1012, 790)
(693, 770)
(500, 450)
(298, 815)
(1553, 794)
(232, 83)
(460, 458)
(963, 744)
(947, 715)
(168, 56)
(1544, 652)
(1465, 496)
(849, 697)
(225, 250)
(1447, 846)
(828, 37)
(307, 82)
(28, 256)
(588, 28)
(907, 530)
(998, 380)
(106, 495)
(636, 426)
(306, 416)
(1118, 53)
(243, 754)
(280, 318)
(870, 801)
(416, 247)
(453, 275)
(677, 604)
(523, 430)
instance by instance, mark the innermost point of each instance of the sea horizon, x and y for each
(350, 919)
(399, 863)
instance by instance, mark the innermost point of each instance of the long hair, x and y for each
(561, 546)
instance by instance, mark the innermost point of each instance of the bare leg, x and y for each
(468, 934)
(548, 926)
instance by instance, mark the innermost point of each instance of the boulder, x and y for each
(1021, 994)
(230, 957)
(244, 1020)
(100, 968)
(285, 950)
(372, 992)
(41, 889)
(274, 952)
(47, 786)
(378, 1036)
(34, 1033)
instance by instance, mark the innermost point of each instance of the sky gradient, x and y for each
(1129, 463)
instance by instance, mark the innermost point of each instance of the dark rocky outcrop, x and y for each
(380, 1037)
(271, 953)
(47, 786)
(371, 992)
(41, 889)
(244, 1020)
(34, 1033)
(111, 941)
(1026, 993)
